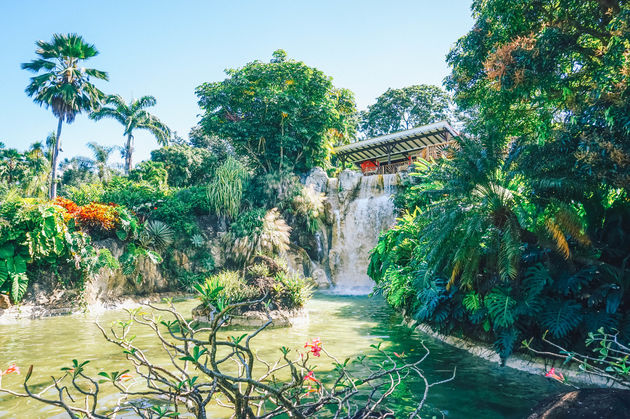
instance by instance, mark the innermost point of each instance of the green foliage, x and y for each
(26, 173)
(282, 114)
(152, 172)
(34, 235)
(224, 288)
(487, 248)
(406, 108)
(257, 232)
(186, 165)
(158, 234)
(554, 76)
(292, 290)
(84, 193)
(225, 191)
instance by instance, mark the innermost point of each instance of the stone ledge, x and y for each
(280, 318)
(518, 361)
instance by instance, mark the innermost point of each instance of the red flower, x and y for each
(556, 376)
(310, 377)
(315, 346)
(125, 377)
(12, 368)
(154, 208)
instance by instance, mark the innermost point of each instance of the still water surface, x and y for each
(346, 325)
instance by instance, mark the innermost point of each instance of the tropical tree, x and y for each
(549, 72)
(282, 114)
(64, 86)
(406, 108)
(133, 116)
(101, 155)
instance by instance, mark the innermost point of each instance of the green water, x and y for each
(346, 325)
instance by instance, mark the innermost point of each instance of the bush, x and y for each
(38, 235)
(84, 193)
(225, 288)
(257, 232)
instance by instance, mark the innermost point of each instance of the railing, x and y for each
(431, 152)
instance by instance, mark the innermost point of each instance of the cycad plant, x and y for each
(133, 116)
(483, 252)
(64, 86)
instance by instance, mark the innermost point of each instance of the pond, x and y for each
(346, 325)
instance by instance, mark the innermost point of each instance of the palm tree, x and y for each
(133, 116)
(101, 155)
(64, 86)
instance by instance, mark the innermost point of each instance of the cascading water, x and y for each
(357, 232)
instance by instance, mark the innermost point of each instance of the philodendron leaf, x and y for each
(4, 272)
(7, 250)
(19, 283)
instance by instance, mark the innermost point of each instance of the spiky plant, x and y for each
(257, 233)
(225, 192)
(159, 234)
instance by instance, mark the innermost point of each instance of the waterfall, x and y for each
(358, 227)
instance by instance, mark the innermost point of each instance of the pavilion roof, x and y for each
(397, 145)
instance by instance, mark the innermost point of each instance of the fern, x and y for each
(558, 237)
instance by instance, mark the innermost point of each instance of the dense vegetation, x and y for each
(526, 228)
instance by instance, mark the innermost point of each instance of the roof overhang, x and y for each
(398, 145)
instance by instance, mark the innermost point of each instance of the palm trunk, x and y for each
(128, 151)
(53, 160)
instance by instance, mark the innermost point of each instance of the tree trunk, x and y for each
(55, 156)
(128, 151)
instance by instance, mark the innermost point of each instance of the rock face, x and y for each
(589, 403)
(111, 284)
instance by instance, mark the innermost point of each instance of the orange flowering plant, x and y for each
(93, 216)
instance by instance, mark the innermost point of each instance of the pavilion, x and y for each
(395, 152)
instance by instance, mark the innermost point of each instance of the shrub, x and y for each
(257, 232)
(225, 191)
(34, 234)
(225, 288)
(84, 193)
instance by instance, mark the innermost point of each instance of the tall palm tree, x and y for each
(101, 156)
(133, 116)
(64, 86)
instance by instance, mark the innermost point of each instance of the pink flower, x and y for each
(556, 376)
(12, 368)
(315, 346)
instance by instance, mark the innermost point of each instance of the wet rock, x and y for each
(318, 179)
(5, 302)
(349, 181)
(588, 403)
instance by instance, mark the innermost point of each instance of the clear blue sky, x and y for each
(167, 48)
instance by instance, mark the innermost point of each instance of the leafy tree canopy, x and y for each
(282, 114)
(406, 108)
(547, 71)
(186, 165)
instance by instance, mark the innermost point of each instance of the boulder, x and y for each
(318, 179)
(587, 403)
(5, 302)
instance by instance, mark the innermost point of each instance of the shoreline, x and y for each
(32, 311)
